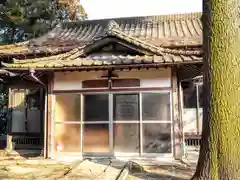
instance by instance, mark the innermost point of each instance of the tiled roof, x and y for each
(160, 31)
(157, 50)
(101, 61)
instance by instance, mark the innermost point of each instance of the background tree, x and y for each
(75, 9)
(24, 19)
(220, 148)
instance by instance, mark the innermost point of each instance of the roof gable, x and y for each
(113, 33)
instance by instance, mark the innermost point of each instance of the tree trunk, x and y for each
(220, 149)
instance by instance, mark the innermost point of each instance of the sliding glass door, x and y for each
(96, 124)
(121, 123)
(126, 120)
(67, 127)
(156, 123)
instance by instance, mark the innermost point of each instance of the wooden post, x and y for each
(48, 117)
(175, 115)
(181, 130)
(197, 109)
(9, 145)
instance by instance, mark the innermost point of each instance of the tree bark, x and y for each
(220, 148)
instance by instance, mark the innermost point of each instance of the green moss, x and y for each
(225, 88)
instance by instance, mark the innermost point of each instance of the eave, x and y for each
(120, 62)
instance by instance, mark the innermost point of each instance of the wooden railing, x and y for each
(22, 142)
(193, 142)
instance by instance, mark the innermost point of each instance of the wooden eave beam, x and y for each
(105, 67)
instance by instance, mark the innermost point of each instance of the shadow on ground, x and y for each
(89, 169)
(112, 168)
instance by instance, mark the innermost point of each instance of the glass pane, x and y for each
(96, 107)
(190, 120)
(156, 106)
(96, 138)
(126, 138)
(33, 113)
(33, 99)
(18, 111)
(157, 138)
(67, 107)
(189, 95)
(67, 137)
(34, 120)
(126, 107)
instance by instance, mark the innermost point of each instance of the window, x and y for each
(113, 122)
(126, 137)
(96, 123)
(67, 128)
(67, 108)
(96, 138)
(193, 106)
(156, 107)
(189, 95)
(126, 107)
(96, 107)
(126, 123)
(18, 112)
(157, 138)
(156, 119)
(26, 111)
(67, 137)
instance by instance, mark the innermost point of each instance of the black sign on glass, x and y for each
(126, 107)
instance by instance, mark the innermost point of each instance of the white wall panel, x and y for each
(149, 78)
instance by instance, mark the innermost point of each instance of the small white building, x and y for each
(108, 87)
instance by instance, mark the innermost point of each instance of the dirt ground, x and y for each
(30, 169)
(89, 169)
(163, 172)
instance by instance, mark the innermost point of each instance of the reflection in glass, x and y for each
(156, 106)
(126, 138)
(96, 138)
(67, 107)
(96, 107)
(157, 138)
(18, 111)
(67, 137)
(33, 113)
(189, 95)
(126, 107)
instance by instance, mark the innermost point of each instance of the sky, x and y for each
(100, 9)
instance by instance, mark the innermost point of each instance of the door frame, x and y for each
(111, 152)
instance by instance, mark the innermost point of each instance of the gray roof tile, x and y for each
(163, 30)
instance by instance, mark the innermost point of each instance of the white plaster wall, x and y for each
(149, 78)
(190, 121)
(200, 119)
(73, 80)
